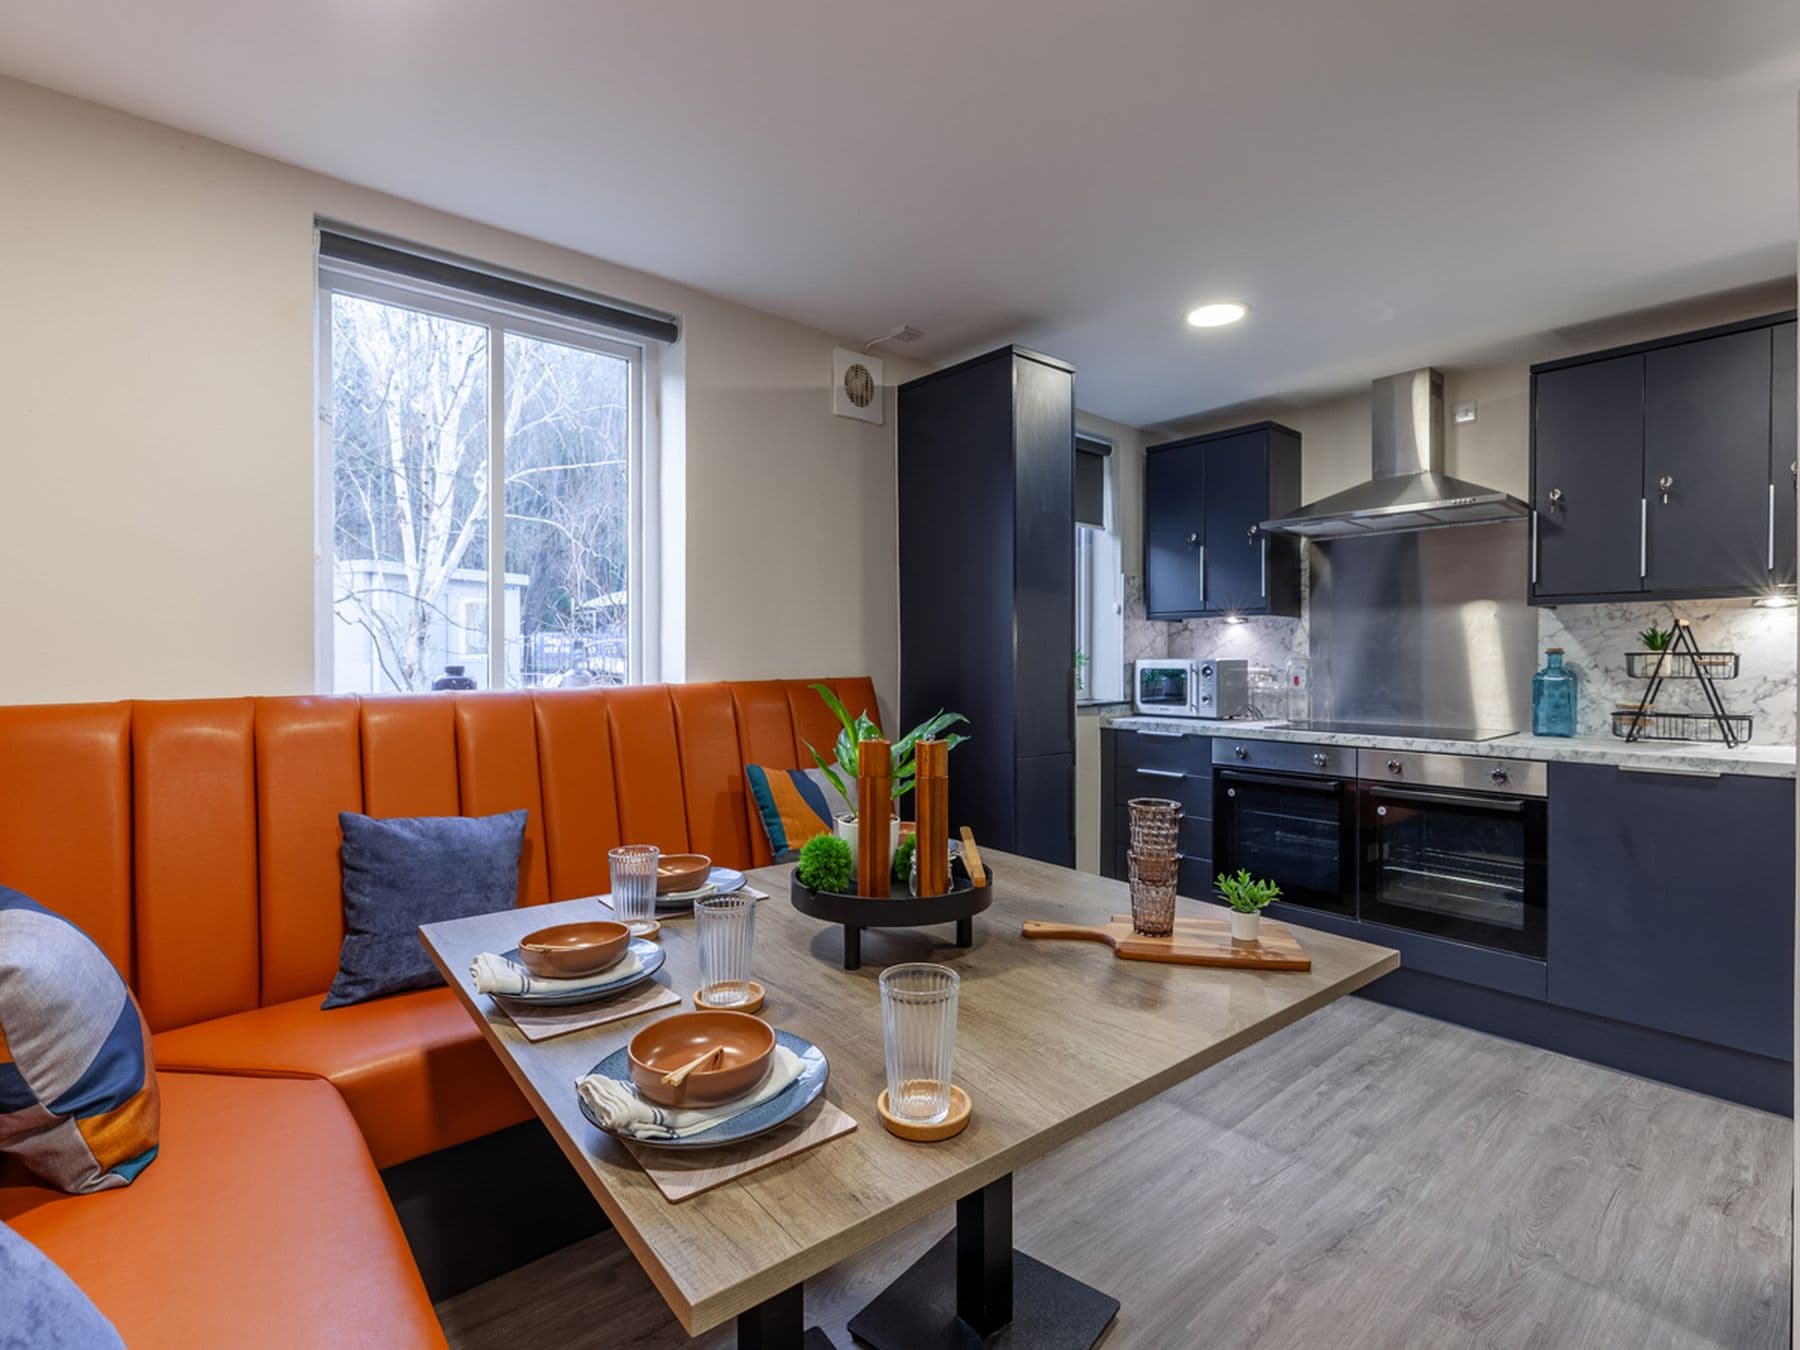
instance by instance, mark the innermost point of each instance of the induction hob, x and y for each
(1401, 730)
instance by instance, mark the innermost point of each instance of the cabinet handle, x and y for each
(1671, 772)
(1203, 576)
(1771, 527)
(1162, 773)
(1643, 537)
(1534, 547)
(1666, 482)
(1265, 566)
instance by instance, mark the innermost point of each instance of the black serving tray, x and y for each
(959, 905)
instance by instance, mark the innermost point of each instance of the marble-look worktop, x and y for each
(1761, 761)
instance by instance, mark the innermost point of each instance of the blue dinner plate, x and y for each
(759, 1119)
(649, 955)
(722, 880)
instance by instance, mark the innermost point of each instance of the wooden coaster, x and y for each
(754, 1002)
(947, 1128)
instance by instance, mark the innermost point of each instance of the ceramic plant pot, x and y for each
(846, 830)
(1245, 927)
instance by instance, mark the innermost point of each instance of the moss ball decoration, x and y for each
(826, 864)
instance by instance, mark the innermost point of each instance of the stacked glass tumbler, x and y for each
(1155, 863)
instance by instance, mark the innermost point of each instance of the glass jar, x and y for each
(1553, 695)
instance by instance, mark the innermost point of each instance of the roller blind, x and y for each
(338, 243)
(1090, 481)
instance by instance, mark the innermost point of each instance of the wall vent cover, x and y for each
(856, 385)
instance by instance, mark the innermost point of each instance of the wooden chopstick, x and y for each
(676, 1077)
(972, 859)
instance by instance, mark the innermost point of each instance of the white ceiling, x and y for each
(1386, 182)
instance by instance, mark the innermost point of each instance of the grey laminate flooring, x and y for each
(1366, 1178)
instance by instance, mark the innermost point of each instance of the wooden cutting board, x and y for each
(1195, 942)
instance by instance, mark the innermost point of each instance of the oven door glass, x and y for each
(1163, 687)
(1299, 832)
(1463, 866)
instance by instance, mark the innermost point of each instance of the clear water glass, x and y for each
(634, 884)
(725, 928)
(918, 1028)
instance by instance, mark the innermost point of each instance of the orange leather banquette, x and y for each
(197, 844)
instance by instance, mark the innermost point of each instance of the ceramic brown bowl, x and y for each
(679, 872)
(666, 1045)
(571, 950)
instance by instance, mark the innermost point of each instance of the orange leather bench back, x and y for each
(197, 841)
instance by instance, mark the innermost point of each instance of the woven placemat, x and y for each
(540, 1023)
(681, 1174)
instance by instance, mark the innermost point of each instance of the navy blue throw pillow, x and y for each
(399, 874)
(44, 1309)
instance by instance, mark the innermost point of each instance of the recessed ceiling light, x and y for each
(1775, 602)
(1217, 315)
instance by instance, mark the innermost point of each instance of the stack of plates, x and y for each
(722, 879)
(603, 985)
(759, 1119)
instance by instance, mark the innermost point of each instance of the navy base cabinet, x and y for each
(1672, 903)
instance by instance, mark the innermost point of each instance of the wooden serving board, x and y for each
(1195, 942)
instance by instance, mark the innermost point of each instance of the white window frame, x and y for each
(1100, 584)
(643, 626)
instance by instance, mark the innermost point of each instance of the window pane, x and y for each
(409, 452)
(568, 516)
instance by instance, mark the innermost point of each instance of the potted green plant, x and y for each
(840, 770)
(1248, 896)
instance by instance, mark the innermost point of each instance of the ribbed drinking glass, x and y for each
(724, 928)
(918, 1028)
(634, 884)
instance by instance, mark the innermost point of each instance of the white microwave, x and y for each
(1211, 687)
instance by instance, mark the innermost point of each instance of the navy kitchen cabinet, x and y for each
(1205, 498)
(1152, 764)
(1672, 903)
(1783, 453)
(1587, 455)
(987, 589)
(1657, 469)
(1706, 464)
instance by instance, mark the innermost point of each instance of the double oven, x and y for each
(1448, 845)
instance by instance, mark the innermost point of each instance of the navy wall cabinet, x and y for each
(1664, 470)
(987, 589)
(1672, 903)
(1205, 499)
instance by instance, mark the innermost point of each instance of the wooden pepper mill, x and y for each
(931, 760)
(874, 807)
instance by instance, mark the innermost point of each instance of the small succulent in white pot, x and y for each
(1248, 896)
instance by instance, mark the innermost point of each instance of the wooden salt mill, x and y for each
(931, 760)
(874, 808)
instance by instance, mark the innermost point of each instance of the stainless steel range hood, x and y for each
(1410, 490)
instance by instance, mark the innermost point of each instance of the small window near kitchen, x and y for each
(1099, 578)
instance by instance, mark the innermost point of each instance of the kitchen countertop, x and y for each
(1761, 761)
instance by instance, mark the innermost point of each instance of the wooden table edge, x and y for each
(706, 1313)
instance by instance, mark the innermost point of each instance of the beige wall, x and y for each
(1495, 449)
(156, 441)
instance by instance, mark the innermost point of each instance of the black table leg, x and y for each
(974, 1290)
(852, 947)
(965, 932)
(779, 1323)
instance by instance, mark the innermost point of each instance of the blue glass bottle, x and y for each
(1553, 691)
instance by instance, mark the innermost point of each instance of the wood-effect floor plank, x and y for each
(1367, 1178)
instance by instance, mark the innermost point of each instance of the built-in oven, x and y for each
(1287, 812)
(1453, 845)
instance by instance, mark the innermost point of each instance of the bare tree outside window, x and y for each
(411, 500)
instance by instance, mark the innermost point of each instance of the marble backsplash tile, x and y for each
(1594, 639)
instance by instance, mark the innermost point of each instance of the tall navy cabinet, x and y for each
(987, 589)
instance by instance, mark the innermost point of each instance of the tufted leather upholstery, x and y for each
(197, 843)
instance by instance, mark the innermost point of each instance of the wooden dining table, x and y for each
(1052, 1039)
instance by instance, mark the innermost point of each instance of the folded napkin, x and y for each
(619, 1107)
(497, 975)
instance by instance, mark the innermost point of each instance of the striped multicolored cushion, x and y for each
(793, 805)
(78, 1100)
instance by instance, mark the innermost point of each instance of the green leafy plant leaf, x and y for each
(1657, 639)
(1245, 893)
(841, 768)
